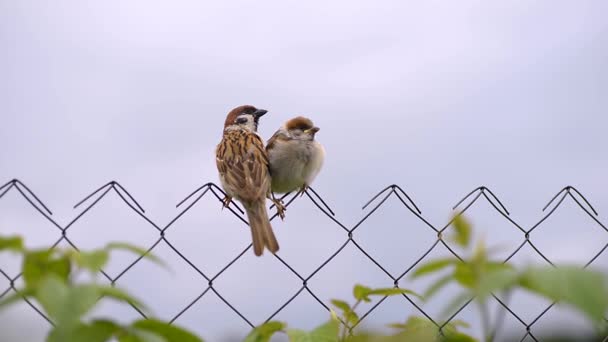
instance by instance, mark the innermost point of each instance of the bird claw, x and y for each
(280, 207)
(226, 201)
(302, 190)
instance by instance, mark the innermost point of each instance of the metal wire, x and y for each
(378, 200)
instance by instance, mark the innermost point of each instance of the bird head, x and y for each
(244, 117)
(300, 128)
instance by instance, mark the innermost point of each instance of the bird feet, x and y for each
(280, 207)
(226, 201)
(302, 190)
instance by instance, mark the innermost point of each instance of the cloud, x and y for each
(439, 98)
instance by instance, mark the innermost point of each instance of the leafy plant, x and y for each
(363, 294)
(48, 275)
(327, 332)
(339, 327)
(481, 277)
(49, 279)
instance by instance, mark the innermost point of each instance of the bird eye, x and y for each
(240, 120)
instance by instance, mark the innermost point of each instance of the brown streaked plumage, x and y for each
(243, 168)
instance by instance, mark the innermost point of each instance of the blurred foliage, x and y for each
(48, 276)
(480, 277)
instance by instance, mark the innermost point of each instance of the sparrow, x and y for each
(242, 164)
(295, 156)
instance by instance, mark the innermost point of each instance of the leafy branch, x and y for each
(481, 277)
(49, 279)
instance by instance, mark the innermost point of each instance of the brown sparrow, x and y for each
(295, 157)
(243, 167)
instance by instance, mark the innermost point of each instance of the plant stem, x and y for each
(356, 304)
(500, 317)
(485, 321)
(346, 327)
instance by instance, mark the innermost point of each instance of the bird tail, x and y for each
(261, 230)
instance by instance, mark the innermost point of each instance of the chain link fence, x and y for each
(350, 238)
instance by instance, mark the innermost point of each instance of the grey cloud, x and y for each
(436, 97)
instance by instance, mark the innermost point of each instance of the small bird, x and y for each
(295, 156)
(242, 163)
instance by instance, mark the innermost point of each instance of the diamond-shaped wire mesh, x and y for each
(208, 279)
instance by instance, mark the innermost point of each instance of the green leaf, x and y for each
(97, 331)
(80, 300)
(169, 332)
(59, 334)
(135, 250)
(418, 329)
(400, 337)
(433, 266)
(458, 323)
(398, 326)
(500, 277)
(585, 290)
(455, 304)
(16, 296)
(493, 266)
(417, 322)
(351, 317)
(422, 329)
(39, 264)
(480, 254)
(392, 291)
(364, 337)
(342, 305)
(349, 314)
(452, 334)
(66, 305)
(120, 295)
(362, 293)
(93, 261)
(296, 335)
(264, 332)
(483, 277)
(438, 285)
(462, 231)
(458, 337)
(131, 334)
(11, 243)
(327, 332)
(52, 294)
(465, 275)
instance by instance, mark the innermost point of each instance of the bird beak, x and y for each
(259, 113)
(313, 130)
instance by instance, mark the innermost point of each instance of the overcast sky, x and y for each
(438, 97)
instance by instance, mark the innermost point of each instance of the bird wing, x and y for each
(243, 164)
(276, 137)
